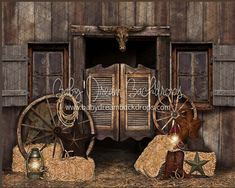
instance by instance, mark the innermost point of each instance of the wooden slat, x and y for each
(42, 12)
(93, 12)
(162, 61)
(14, 75)
(94, 31)
(227, 22)
(76, 12)
(14, 92)
(109, 13)
(126, 13)
(14, 53)
(10, 22)
(8, 127)
(194, 21)
(98, 98)
(145, 13)
(224, 52)
(105, 120)
(78, 61)
(224, 92)
(59, 21)
(211, 131)
(135, 123)
(178, 20)
(162, 12)
(26, 22)
(227, 137)
(211, 23)
(223, 75)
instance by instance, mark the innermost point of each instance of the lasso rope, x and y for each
(67, 119)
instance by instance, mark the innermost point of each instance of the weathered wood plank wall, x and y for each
(189, 21)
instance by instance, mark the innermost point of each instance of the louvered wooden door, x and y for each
(119, 98)
(135, 95)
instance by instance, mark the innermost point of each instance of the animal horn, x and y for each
(136, 28)
(108, 29)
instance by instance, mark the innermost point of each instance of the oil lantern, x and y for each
(174, 134)
(35, 164)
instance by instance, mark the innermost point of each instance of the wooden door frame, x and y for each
(80, 32)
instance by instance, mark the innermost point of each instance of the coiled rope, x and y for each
(67, 119)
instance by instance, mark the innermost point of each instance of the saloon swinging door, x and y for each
(119, 98)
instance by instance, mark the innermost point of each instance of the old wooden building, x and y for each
(184, 43)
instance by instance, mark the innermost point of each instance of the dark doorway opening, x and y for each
(106, 51)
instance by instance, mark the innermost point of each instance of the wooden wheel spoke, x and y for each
(167, 123)
(83, 121)
(163, 112)
(183, 104)
(54, 147)
(65, 128)
(35, 135)
(49, 108)
(176, 103)
(37, 138)
(37, 128)
(170, 101)
(77, 145)
(41, 117)
(163, 118)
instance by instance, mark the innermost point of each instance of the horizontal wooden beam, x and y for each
(225, 93)
(149, 31)
(6, 93)
(224, 60)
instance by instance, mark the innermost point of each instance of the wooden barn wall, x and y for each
(189, 21)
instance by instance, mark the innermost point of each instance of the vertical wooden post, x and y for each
(78, 62)
(163, 60)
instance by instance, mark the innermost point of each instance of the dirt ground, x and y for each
(114, 168)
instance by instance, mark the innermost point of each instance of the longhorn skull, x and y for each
(121, 33)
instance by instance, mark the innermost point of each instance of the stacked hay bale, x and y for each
(57, 168)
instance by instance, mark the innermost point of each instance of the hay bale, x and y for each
(18, 162)
(208, 168)
(154, 155)
(70, 169)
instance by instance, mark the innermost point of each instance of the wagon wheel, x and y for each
(168, 109)
(38, 123)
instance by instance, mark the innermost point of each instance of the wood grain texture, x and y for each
(9, 122)
(223, 75)
(109, 13)
(145, 13)
(78, 66)
(26, 22)
(15, 71)
(126, 13)
(162, 11)
(227, 137)
(211, 131)
(227, 20)
(163, 61)
(93, 12)
(105, 121)
(59, 14)
(76, 12)
(178, 20)
(194, 21)
(42, 12)
(210, 23)
(10, 22)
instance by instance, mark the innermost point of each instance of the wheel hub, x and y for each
(174, 114)
(57, 130)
